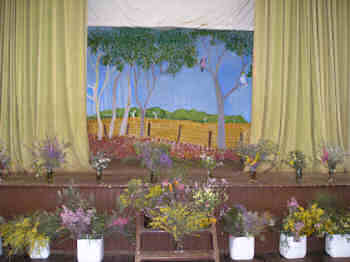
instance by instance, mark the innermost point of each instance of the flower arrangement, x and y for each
(255, 154)
(79, 217)
(337, 215)
(99, 162)
(173, 206)
(303, 222)
(179, 219)
(23, 233)
(331, 155)
(240, 222)
(209, 162)
(296, 159)
(154, 156)
(48, 154)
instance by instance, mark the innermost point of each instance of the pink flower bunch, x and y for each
(120, 221)
(292, 203)
(78, 221)
(324, 157)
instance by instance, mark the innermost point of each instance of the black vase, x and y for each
(252, 176)
(331, 174)
(49, 175)
(153, 178)
(98, 175)
(299, 175)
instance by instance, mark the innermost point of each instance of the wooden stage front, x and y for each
(20, 194)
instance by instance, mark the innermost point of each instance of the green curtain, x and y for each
(301, 73)
(43, 77)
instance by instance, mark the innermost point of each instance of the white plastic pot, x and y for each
(292, 249)
(338, 245)
(241, 248)
(90, 250)
(40, 251)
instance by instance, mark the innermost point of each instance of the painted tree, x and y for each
(116, 50)
(216, 45)
(160, 52)
(97, 88)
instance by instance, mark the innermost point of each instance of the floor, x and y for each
(314, 257)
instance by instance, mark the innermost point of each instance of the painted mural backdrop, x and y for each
(169, 83)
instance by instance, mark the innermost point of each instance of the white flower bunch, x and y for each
(100, 161)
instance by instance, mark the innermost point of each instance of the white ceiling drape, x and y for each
(209, 14)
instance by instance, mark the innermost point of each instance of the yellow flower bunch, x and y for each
(252, 161)
(21, 234)
(179, 219)
(304, 222)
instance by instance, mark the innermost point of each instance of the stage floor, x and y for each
(272, 257)
(119, 173)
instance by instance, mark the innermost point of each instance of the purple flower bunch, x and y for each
(153, 156)
(49, 153)
(78, 221)
(240, 222)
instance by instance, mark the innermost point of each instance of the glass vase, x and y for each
(153, 178)
(252, 176)
(331, 174)
(299, 175)
(179, 246)
(210, 173)
(98, 175)
(49, 175)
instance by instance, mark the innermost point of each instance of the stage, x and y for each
(22, 193)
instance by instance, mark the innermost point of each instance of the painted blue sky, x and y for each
(189, 89)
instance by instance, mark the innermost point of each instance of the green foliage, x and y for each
(156, 111)
(239, 42)
(144, 47)
(179, 114)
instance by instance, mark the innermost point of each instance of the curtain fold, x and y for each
(43, 90)
(301, 66)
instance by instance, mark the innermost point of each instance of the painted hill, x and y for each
(179, 114)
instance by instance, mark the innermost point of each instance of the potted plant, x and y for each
(253, 155)
(155, 157)
(243, 226)
(80, 218)
(30, 234)
(297, 160)
(297, 225)
(337, 242)
(330, 156)
(48, 154)
(335, 226)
